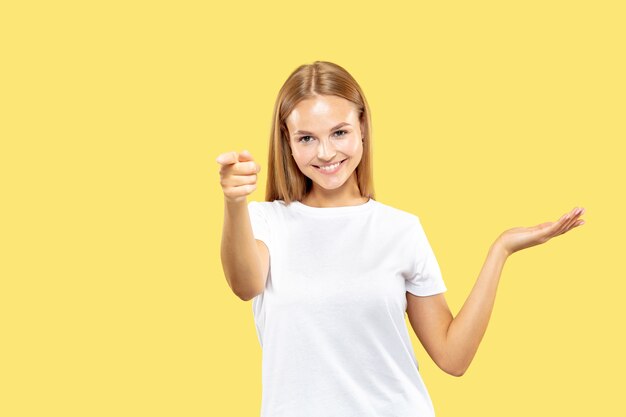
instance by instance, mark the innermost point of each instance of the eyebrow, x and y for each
(310, 133)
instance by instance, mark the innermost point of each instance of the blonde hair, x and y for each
(285, 181)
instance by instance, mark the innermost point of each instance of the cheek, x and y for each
(301, 160)
(352, 147)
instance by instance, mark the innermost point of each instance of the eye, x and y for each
(302, 138)
(305, 141)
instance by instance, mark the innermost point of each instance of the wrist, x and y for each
(499, 248)
(236, 201)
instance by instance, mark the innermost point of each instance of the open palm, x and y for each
(518, 238)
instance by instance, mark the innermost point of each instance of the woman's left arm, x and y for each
(452, 342)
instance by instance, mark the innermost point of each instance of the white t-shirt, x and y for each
(331, 319)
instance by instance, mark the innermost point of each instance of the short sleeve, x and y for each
(425, 279)
(258, 220)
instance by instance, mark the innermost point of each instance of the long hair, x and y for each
(285, 181)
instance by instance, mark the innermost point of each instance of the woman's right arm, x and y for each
(245, 260)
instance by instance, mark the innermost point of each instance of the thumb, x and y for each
(542, 226)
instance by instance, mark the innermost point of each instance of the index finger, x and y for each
(228, 158)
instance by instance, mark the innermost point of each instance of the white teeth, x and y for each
(330, 167)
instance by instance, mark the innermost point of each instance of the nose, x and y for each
(325, 151)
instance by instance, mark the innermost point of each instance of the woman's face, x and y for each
(322, 131)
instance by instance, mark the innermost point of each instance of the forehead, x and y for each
(321, 113)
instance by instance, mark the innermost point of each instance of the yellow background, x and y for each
(487, 115)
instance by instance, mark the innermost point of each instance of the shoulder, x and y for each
(270, 205)
(266, 208)
(398, 216)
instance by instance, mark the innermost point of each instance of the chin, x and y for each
(330, 188)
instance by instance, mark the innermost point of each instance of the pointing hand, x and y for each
(237, 175)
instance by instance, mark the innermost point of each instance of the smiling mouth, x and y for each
(340, 162)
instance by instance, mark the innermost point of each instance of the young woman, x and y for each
(332, 271)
